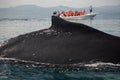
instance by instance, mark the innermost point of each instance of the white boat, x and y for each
(86, 16)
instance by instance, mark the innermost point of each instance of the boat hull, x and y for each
(86, 16)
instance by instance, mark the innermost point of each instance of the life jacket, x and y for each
(71, 13)
(79, 12)
(76, 13)
(67, 13)
(63, 13)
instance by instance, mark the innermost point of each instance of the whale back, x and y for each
(64, 43)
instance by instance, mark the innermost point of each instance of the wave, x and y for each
(21, 19)
(89, 66)
(14, 19)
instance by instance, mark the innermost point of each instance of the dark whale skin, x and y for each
(64, 43)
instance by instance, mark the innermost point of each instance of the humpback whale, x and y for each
(63, 43)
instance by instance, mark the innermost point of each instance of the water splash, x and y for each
(89, 66)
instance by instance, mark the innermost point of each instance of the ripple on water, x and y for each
(12, 69)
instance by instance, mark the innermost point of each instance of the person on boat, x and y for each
(79, 13)
(63, 13)
(67, 13)
(90, 9)
(56, 13)
(83, 12)
(71, 13)
(76, 13)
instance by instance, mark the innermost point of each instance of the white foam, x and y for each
(24, 61)
(100, 64)
(94, 65)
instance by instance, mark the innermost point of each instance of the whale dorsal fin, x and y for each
(61, 24)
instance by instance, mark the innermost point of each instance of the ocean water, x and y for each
(12, 69)
(14, 25)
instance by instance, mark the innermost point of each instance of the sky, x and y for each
(51, 3)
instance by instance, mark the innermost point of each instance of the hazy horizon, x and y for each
(57, 6)
(53, 3)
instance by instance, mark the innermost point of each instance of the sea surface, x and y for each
(12, 69)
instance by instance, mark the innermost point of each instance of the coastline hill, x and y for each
(47, 11)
